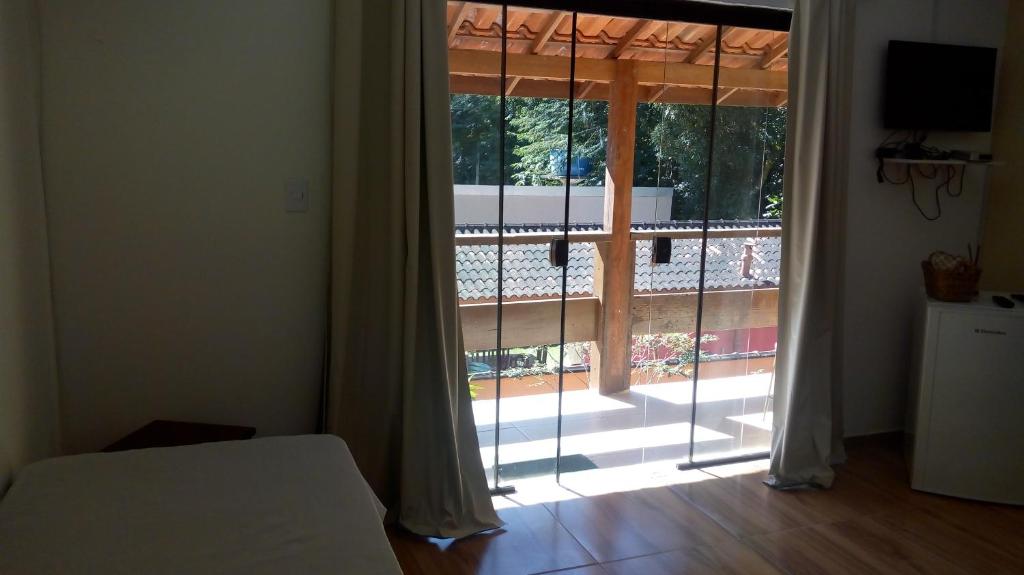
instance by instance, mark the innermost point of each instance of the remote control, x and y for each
(1002, 301)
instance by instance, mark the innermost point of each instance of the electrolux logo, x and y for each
(989, 331)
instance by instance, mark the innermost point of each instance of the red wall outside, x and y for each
(741, 341)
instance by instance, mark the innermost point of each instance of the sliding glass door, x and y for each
(740, 283)
(617, 194)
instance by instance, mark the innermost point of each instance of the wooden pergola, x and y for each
(624, 61)
(672, 61)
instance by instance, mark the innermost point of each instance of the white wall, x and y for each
(28, 378)
(546, 204)
(887, 238)
(182, 288)
(1002, 261)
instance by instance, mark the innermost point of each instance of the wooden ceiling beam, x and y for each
(528, 88)
(511, 86)
(705, 45)
(639, 31)
(776, 52)
(488, 63)
(724, 95)
(456, 23)
(553, 22)
(658, 92)
(588, 87)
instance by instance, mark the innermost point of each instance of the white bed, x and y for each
(272, 505)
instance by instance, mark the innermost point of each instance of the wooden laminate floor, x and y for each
(869, 522)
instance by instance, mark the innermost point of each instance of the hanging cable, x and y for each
(704, 239)
(944, 185)
(565, 238)
(501, 244)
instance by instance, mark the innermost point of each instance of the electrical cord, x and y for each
(913, 197)
(961, 190)
(889, 148)
(909, 179)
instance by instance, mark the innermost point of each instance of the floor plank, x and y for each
(595, 569)
(634, 523)
(730, 558)
(974, 545)
(859, 547)
(724, 520)
(741, 502)
(531, 542)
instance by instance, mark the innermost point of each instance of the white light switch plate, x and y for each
(296, 196)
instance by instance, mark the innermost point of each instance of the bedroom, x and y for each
(173, 240)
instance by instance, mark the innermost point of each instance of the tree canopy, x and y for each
(671, 150)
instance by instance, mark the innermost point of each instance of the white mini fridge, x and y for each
(966, 406)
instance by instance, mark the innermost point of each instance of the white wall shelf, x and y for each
(938, 162)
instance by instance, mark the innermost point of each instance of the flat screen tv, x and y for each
(939, 87)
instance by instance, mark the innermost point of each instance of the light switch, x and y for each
(296, 196)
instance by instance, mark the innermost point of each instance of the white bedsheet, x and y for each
(272, 505)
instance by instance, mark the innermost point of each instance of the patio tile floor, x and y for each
(641, 431)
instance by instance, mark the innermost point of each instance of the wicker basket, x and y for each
(959, 285)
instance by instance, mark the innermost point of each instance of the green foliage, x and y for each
(672, 144)
(475, 139)
(773, 134)
(538, 126)
(681, 349)
(746, 179)
(671, 150)
(536, 370)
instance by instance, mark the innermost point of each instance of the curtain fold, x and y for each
(807, 429)
(397, 388)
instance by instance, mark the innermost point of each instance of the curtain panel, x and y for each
(807, 429)
(397, 388)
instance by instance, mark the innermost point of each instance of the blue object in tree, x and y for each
(580, 165)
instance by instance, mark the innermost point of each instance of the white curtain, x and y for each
(807, 434)
(397, 384)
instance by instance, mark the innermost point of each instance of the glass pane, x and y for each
(645, 430)
(720, 382)
(530, 401)
(476, 139)
(535, 200)
(669, 169)
(736, 375)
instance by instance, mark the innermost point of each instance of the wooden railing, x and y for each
(536, 322)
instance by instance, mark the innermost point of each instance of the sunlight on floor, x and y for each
(758, 420)
(601, 442)
(627, 441)
(718, 389)
(595, 482)
(525, 408)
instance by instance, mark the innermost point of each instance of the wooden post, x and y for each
(613, 264)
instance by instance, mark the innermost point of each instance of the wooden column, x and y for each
(613, 265)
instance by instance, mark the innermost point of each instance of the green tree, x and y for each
(677, 138)
(671, 150)
(540, 128)
(475, 138)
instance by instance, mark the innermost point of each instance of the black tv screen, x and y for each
(939, 87)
